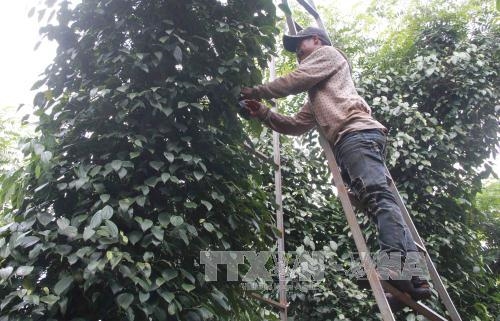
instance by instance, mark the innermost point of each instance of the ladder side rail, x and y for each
(311, 8)
(438, 283)
(279, 210)
(359, 240)
(289, 21)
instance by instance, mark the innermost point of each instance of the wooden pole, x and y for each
(279, 211)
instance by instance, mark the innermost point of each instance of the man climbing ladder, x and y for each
(357, 139)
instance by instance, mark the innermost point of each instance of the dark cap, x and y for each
(290, 42)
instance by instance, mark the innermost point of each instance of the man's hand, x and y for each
(248, 93)
(253, 107)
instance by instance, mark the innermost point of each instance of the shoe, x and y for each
(401, 285)
(421, 289)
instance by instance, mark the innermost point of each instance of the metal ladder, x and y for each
(379, 287)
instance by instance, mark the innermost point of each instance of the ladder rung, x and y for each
(421, 248)
(276, 304)
(416, 306)
(259, 155)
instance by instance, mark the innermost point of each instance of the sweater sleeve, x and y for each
(289, 125)
(319, 65)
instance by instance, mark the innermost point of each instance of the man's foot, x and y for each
(401, 285)
(421, 289)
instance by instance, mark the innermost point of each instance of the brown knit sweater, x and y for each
(333, 102)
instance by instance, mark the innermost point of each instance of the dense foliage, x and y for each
(139, 165)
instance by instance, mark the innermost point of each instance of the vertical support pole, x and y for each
(279, 211)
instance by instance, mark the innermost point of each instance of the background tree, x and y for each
(12, 136)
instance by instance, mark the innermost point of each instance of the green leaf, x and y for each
(209, 227)
(145, 224)
(24, 270)
(107, 212)
(169, 274)
(186, 157)
(188, 287)
(63, 284)
(156, 165)
(49, 299)
(122, 173)
(164, 219)
(125, 204)
(183, 236)
(182, 104)
(157, 232)
(46, 157)
(220, 299)
(198, 175)
(171, 308)
(44, 218)
(124, 300)
(217, 196)
(169, 156)
(96, 220)
(165, 177)
(152, 181)
(178, 54)
(140, 200)
(123, 88)
(134, 237)
(6, 272)
(104, 197)
(116, 165)
(176, 220)
(143, 297)
(189, 204)
(192, 230)
(113, 229)
(88, 232)
(166, 295)
(207, 204)
(95, 171)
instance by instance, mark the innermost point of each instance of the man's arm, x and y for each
(319, 65)
(289, 125)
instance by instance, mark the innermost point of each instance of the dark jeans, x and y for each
(361, 157)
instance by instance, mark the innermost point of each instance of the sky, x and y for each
(20, 65)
